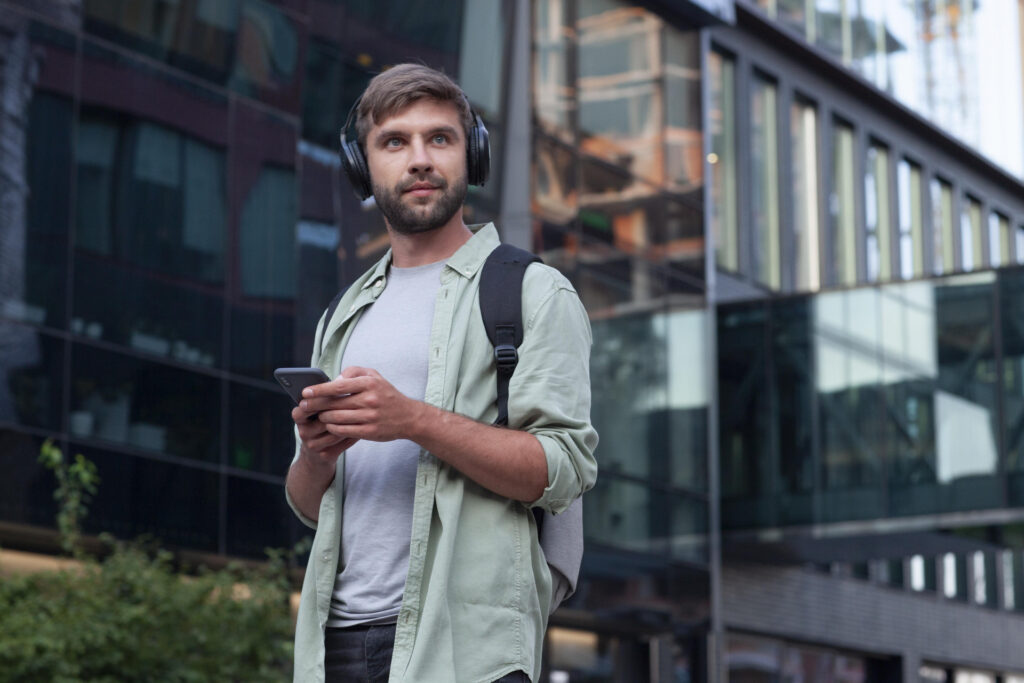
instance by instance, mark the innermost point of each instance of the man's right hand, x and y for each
(313, 472)
(318, 444)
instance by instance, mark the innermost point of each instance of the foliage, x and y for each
(132, 616)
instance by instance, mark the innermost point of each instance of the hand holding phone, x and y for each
(294, 380)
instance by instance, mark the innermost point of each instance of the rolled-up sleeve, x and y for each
(549, 394)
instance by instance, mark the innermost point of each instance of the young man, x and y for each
(426, 564)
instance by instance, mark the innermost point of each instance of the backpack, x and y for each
(501, 289)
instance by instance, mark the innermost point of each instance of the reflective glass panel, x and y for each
(806, 230)
(1018, 238)
(267, 63)
(332, 84)
(942, 226)
(753, 660)
(841, 207)
(260, 431)
(877, 220)
(971, 236)
(36, 182)
(31, 377)
(28, 486)
(722, 116)
(911, 220)
(259, 518)
(553, 83)
(849, 374)
(198, 37)
(686, 400)
(683, 148)
(998, 239)
(765, 182)
(176, 504)
(1011, 294)
(144, 405)
(637, 517)
(482, 55)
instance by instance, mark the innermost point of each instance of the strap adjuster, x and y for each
(506, 357)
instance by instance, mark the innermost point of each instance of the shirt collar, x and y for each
(470, 256)
(467, 260)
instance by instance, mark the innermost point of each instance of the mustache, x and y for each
(435, 180)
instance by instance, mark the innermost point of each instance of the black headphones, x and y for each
(353, 160)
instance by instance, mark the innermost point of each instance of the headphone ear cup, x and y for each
(354, 164)
(478, 153)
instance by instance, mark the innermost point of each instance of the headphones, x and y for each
(353, 159)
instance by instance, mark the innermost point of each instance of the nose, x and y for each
(420, 161)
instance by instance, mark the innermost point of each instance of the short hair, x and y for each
(393, 90)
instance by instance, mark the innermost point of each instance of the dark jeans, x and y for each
(362, 654)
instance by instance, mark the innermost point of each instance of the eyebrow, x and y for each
(389, 133)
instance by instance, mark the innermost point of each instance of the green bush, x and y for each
(132, 616)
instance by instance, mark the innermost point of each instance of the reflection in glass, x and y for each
(195, 36)
(971, 234)
(482, 55)
(124, 400)
(267, 235)
(765, 182)
(31, 371)
(841, 207)
(28, 486)
(942, 226)
(258, 517)
(847, 330)
(911, 234)
(639, 518)
(998, 240)
(1011, 295)
(1018, 238)
(684, 156)
(806, 230)
(177, 505)
(266, 61)
(878, 223)
(330, 87)
(260, 431)
(553, 86)
(621, 100)
(722, 117)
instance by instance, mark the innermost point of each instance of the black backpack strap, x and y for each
(331, 308)
(501, 306)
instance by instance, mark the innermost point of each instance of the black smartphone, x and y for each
(294, 380)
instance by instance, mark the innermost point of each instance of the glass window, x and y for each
(195, 36)
(482, 55)
(684, 141)
(841, 207)
(258, 517)
(143, 405)
(922, 573)
(28, 486)
(849, 377)
(266, 60)
(176, 504)
(877, 220)
(268, 235)
(911, 236)
(1019, 241)
(942, 226)
(806, 231)
(1008, 588)
(765, 182)
(31, 377)
(260, 430)
(998, 239)
(637, 517)
(553, 85)
(798, 15)
(1011, 294)
(331, 86)
(723, 160)
(971, 235)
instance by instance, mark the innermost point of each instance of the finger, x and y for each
(302, 416)
(346, 417)
(343, 386)
(353, 371)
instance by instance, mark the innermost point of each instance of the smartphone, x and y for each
(294, 380)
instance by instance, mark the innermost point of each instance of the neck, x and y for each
(419, 249)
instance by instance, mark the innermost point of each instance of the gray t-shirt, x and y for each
(392, 337)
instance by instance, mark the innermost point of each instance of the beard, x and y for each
(416, 218)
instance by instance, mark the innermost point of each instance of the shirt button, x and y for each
(351, 308)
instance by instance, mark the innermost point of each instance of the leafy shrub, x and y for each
(131, 616)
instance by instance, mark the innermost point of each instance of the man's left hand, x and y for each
(361, 404)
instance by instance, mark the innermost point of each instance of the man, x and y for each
(426, 565)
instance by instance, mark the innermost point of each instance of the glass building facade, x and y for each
(801, 253)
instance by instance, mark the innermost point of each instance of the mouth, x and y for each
(420, 190)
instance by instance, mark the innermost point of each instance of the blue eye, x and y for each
(440, 139)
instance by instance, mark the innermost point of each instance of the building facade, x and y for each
(797, 225)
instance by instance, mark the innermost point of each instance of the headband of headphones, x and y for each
(353, 159)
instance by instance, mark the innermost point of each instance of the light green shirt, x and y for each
(477, 593)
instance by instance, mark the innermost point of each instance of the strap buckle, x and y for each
(506, 357)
